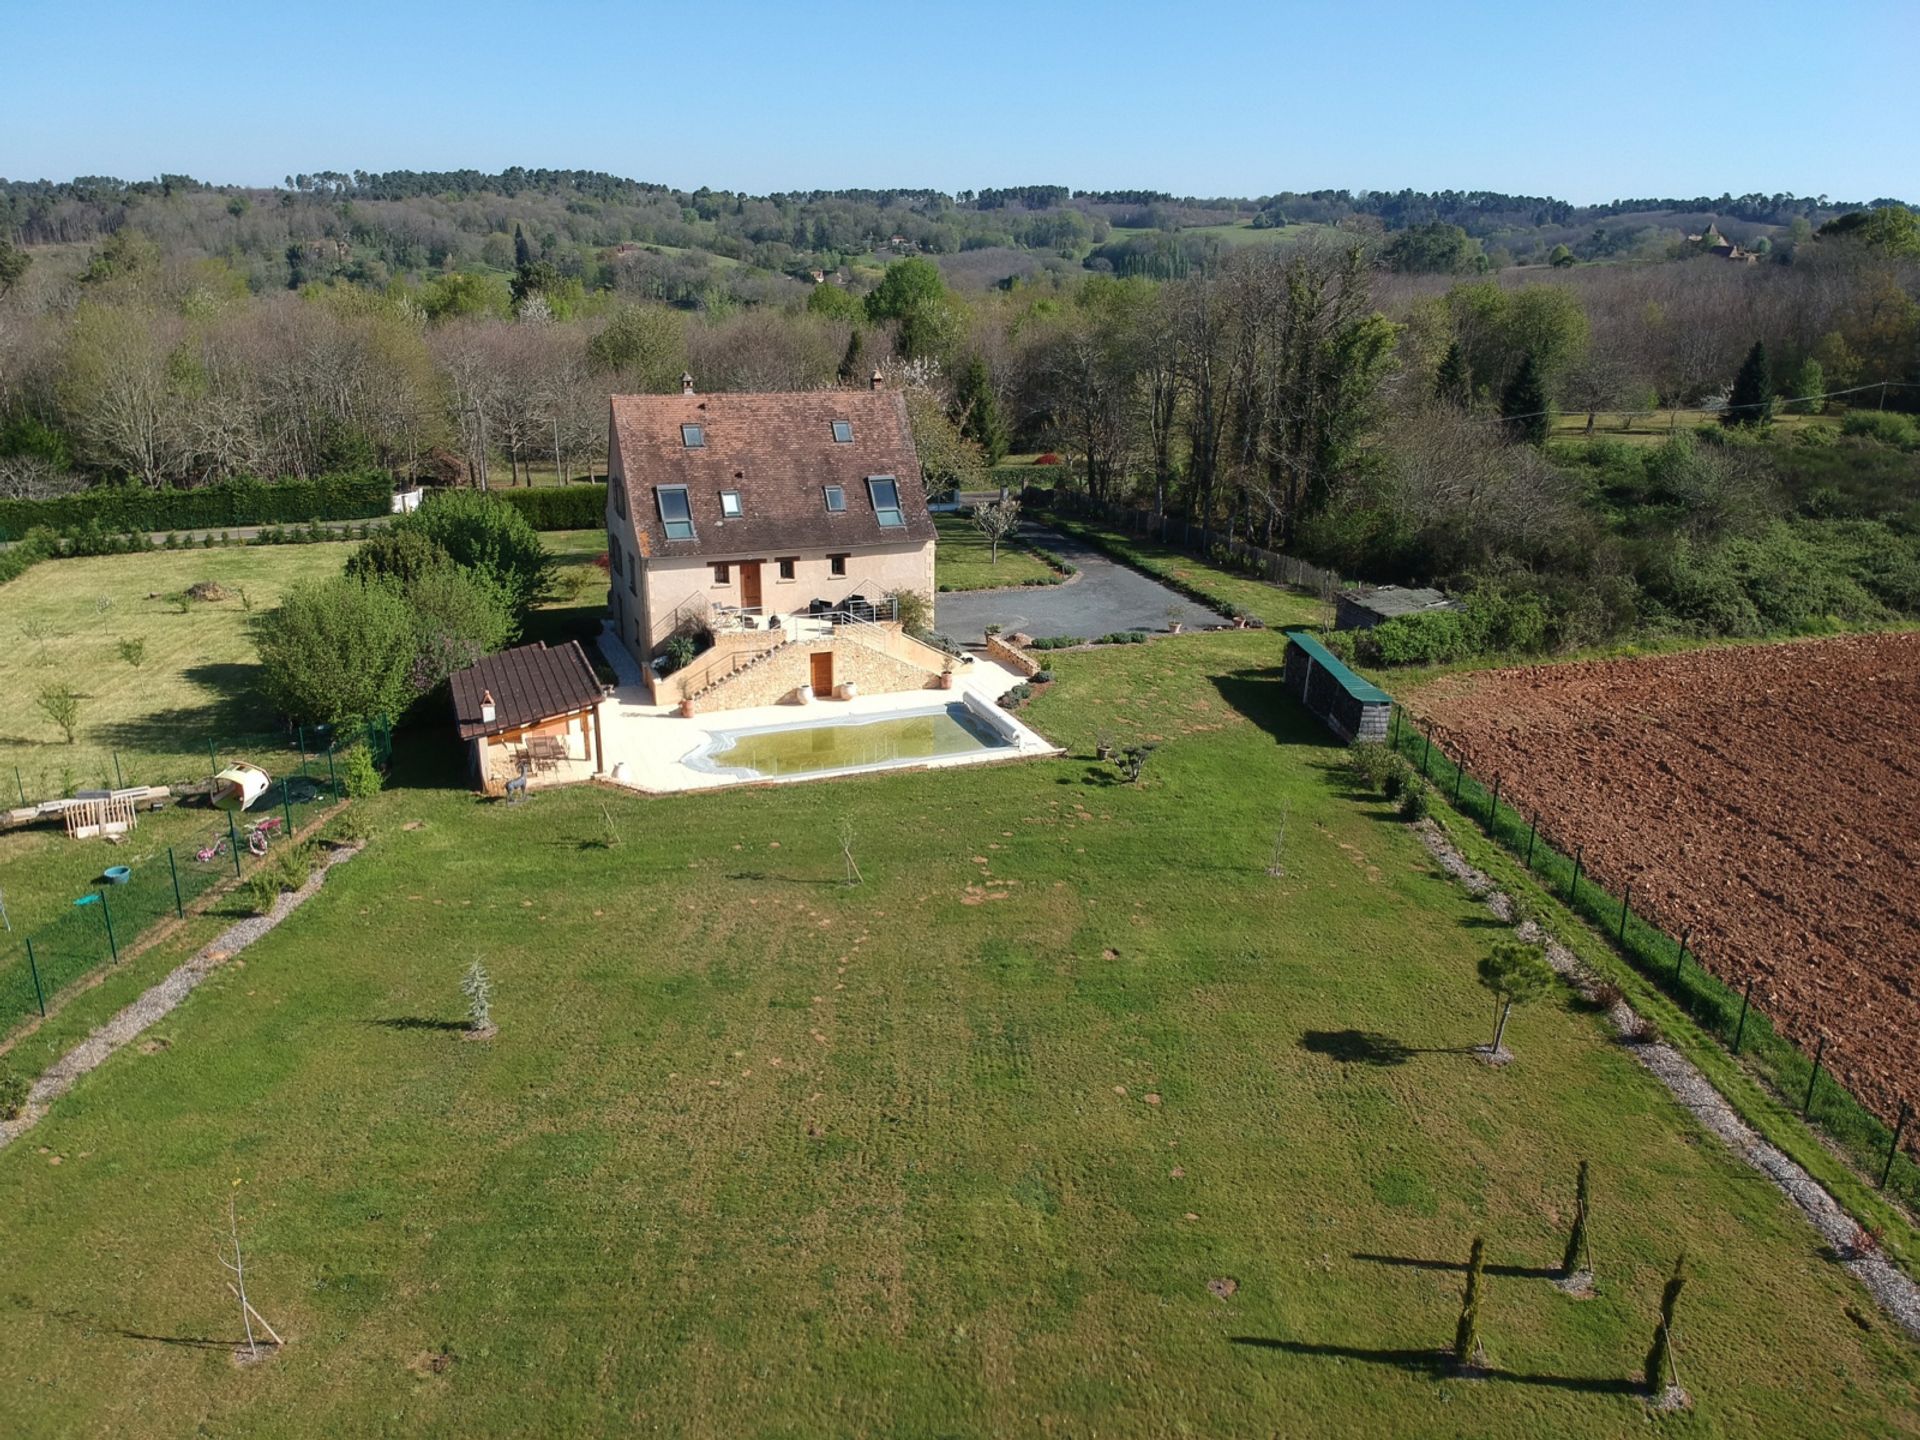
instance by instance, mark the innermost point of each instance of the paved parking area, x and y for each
(1107, 597)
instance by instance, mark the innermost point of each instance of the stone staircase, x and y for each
(743, 667)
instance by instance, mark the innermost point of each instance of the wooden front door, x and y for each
(823, 672)
(750, 584)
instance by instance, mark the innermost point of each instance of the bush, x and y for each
(1042, 677)
(559, 507)
(912, 610)
(13, 1094)
(1416, 801)
(1884, 426)
(1056, 642)
(482, 535)
(359, 775)
(1123, 637)
(243, 501)
(1370, 764)
(338, 651)
(398, 554)
(1017, 696)
(39, 544)
(1395, 779)
(286, 868)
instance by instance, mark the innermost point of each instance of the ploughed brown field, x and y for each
(1766, 797)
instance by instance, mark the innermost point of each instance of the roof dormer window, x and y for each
(885, 493)
(676, 515)
(843, 432)
(730, 504)
(694, 437)
(836, 498)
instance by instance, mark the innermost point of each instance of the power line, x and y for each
(1880, 385)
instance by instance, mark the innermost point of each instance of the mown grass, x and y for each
(963, 559)
(955, 1151)
(63, 623)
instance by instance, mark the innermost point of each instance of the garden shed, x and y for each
(1353, 708)
(530, 713)
(1365, 606)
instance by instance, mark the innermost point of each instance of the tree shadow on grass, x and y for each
(237, 710)
(1418, 1262)
(92, 1323)
(1370, 1047)
(417, 1022)
(1440, 1365)
(768, 877)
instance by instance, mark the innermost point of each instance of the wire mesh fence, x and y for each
(42, 956)
(1714, 991)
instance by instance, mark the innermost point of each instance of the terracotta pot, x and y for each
(946, 680)
(686, 709)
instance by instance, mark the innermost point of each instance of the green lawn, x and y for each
(954, 1152)
(963, 559)
(63, 622)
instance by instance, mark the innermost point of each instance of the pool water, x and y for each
(849, 744)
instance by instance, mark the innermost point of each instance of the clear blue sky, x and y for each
(1585, 101)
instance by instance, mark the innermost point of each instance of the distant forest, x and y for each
(1453, 387)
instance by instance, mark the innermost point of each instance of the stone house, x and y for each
(772, 527)
(530, 714)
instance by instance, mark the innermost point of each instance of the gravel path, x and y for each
(1896, 1293)
(92, 1052)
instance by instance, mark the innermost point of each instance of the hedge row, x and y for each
(226, 503)
(560, 507)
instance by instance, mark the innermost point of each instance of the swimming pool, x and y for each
(850, 744)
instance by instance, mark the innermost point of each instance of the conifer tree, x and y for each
(1751, 403)
(977, 411)
(1453, 382)
(1524, 405)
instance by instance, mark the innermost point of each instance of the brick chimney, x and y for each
(878, 380)
(686, 383)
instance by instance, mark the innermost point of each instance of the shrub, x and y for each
(336, 651)
(400, 555)
(1416, 801)
(13, 1094)
(912, 610)
(1884, 426)
(1017, 696)
(244, 501)
(1123, 637)
(1057, 642)
(1370, 765)
(358, 773)
(284, 869)
(133, 652)
(558, 507)
(483, 535)
(1043, 677)
(61, 704)
(1397, 776)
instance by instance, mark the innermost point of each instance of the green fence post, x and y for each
(1894, 1148)
(34, 965)
(106, 914)
(1459, 774)
(1493, 809)
(1682, 960)
(20, 784)
(178, 909)
(303, 747)
(233, 842)
(1819, 1052)
(1533, 832)
(333, 780)
(1626, 899)
(1573, 889)
(286, 806)
(215, 759)
(1741, 1028)
(1427, 754)
(119, 780)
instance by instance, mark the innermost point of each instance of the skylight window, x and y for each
(836, 498)
(843, 432)
(693, 436)
(676, 515)
(730, 504)
(886, 500)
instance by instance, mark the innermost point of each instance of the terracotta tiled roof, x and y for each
(530, 683)
(778, 451)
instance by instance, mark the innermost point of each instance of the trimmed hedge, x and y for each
(245, 501)
(560, 507)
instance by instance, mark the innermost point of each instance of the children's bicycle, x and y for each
(210, 853)
(261, 833)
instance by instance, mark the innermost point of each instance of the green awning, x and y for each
(1365, 691)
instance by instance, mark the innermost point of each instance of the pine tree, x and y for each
(1524, 406)
(1466, 1334)
(522, 250)
(1752, 400)
(1579, 1254)
(977, 411)
(850, 362)
(1660, 1354)
(1453, 382)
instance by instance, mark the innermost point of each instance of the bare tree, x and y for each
(238, 1284)
(997, 520)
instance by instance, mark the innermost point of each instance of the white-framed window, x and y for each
(693, 436)
(730, 504)
(676, 515)
(836, 497)
(843, 432)
(885, 493)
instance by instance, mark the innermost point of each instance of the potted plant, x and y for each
(946, 677)
(686, 707)
(1173, 619)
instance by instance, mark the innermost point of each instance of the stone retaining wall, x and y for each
(774, 681)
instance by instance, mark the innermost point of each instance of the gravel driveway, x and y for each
(1107, 596)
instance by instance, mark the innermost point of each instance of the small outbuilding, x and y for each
(1365, 606)
(530, 714)
(1354, 709)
